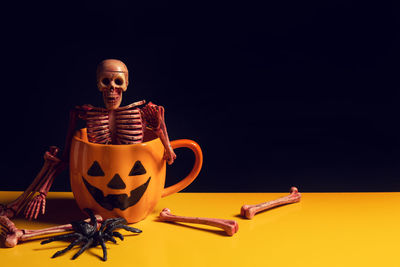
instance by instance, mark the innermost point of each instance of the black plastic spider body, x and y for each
(88, 234)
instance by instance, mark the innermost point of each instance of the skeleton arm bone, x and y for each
(38, 202)
(13, 208)
(32, 202)
(153, 116)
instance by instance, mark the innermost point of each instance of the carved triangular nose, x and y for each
(116, 182)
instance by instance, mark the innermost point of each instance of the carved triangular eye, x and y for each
(95, 170)
(137, 169)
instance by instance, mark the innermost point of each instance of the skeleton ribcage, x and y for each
(121, 126)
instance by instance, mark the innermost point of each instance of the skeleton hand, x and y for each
(153, 115)
(169, 155)
(38, 202)
(35, 205)
(9, 232)
(154, 118)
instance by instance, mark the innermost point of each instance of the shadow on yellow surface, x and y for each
(61, 211)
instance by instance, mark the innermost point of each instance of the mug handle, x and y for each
(192, 145)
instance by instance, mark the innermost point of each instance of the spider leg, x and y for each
(115, 223)
(109, 237)
(125, 227)
(103, 246)
(83, 248)
(110, 222)
(60, 252)
(60, 237)
(119, 235)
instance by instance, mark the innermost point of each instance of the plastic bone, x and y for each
(248, 211)
(12, 235)
(229, 226)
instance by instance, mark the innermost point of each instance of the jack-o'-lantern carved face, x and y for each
(111, 201)
(117, 180)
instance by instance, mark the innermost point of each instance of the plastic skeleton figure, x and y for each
(110, 125)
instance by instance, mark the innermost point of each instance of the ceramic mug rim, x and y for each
(86, 142)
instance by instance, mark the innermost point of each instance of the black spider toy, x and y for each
(88, 234)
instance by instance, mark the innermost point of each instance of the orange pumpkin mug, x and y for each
(124, 180)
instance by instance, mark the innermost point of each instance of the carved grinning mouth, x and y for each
(119, 201)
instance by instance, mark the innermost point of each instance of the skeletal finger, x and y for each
(38, 207)
(27, 210)
(44, 206)
(33, 210)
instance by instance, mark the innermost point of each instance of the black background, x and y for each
(277, 94)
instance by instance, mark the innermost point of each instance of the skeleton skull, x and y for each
(112, 80)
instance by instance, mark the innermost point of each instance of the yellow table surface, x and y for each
(324, 229)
